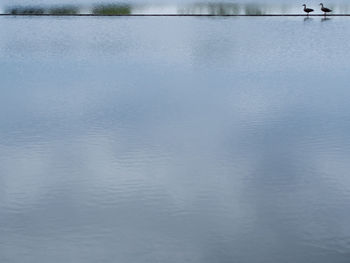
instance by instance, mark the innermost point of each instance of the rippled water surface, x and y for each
(174, 140)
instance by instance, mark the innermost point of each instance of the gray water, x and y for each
(174, 140)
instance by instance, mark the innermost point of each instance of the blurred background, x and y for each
(165, 7)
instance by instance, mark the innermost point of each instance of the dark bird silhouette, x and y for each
(307, 10)
(325, 9)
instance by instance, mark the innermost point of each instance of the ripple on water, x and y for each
(201, 140)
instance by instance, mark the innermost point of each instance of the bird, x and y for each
(307, 10)
(325, 9)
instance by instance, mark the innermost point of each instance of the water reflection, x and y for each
(174, 140)
(324, 19)
(308, 19)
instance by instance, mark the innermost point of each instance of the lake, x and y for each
(174, 139)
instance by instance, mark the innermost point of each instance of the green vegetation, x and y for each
(63, 10)
(223, 9)
(32, 10)
(125, 9)
(253, 9)
(28, 10)
(211, 9)
(112, 9)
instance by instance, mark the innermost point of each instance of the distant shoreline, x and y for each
(188, 15)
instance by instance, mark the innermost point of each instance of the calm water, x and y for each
(174, 140)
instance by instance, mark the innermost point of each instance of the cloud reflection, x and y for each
(139, 145)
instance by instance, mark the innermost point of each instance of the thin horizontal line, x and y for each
(189, 15)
